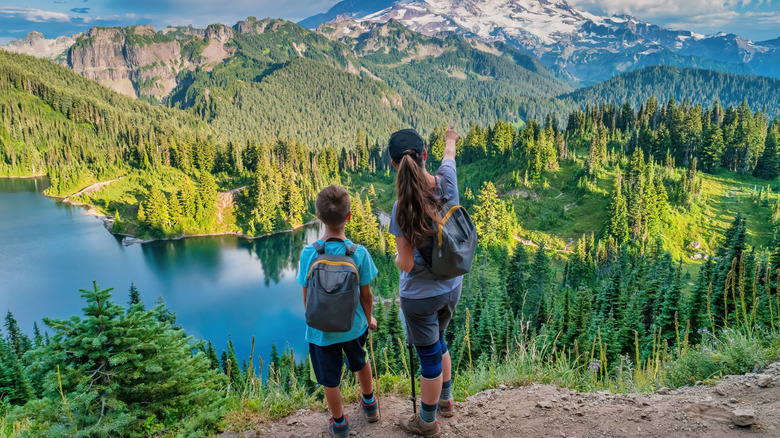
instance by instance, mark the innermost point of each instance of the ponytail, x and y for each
(417, 205)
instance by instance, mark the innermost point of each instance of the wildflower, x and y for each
(289, 382)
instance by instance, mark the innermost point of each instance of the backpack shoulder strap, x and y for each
(351, 249)
(319, 248)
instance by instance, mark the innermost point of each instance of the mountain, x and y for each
(35, 44)
(575, 44)
(346, 9)
(273, 78)
(140, 62)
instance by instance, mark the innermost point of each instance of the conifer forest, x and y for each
(623, 245)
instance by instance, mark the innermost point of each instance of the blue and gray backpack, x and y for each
(332, 290)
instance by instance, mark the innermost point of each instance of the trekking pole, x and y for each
(376, 376)
(413, 398)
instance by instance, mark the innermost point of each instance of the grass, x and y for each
(536, 359)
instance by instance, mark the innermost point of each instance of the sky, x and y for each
(755, 19)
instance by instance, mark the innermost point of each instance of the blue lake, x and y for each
(217, 286)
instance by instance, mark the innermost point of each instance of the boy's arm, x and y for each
(367, 302)
(450, 138)
(304, 298)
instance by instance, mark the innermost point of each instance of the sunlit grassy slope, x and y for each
(555, 211)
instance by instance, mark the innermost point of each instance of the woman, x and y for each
(427, 302)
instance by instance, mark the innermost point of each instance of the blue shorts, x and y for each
(326, 361)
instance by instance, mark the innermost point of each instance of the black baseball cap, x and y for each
(404, 140)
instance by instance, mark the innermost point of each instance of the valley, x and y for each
(623, 178)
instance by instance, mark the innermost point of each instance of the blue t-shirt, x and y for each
(420, 282)
(366, 270)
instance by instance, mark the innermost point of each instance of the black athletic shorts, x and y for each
(327, 360)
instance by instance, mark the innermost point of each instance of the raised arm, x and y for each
(450, 138)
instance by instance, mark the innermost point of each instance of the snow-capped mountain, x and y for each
(574, 43)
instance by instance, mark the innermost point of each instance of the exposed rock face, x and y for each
(142, 62)
(36, 45)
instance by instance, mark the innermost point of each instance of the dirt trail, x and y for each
(538, 410)
(94, 187)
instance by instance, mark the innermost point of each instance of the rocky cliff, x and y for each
(143, 63)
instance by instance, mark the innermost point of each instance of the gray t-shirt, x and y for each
(420, 282)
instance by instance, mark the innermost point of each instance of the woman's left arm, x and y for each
(404, 256)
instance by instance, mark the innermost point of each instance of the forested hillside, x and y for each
(293, 82)
(696, 86)
(57, 123)
(650, 231)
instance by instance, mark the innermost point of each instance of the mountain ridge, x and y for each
(566, 38)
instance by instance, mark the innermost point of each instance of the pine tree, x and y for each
(768, 166)
(618, 213)
(697, 309)
(17, 341)
(135, 296)
(37, 337)
(15, 387)
(140, 368)
(493, 220)
(211, 353)
(395, 332)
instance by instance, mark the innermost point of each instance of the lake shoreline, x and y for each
(108, 221)
(134, 239)
(24, 177)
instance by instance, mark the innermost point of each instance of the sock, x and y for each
(368, 399)
(340, 421)
(428, 412)
(446, 390)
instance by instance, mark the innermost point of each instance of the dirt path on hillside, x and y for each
(714, 411)
(94, 187)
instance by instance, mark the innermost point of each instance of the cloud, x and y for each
(208, 11)
(748, 18)
(34, 15)
(80, 10)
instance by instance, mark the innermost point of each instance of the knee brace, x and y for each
(443, 344)
(430, 361)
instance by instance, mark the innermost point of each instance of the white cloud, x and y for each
(667, 8)
(748, 18)
(290, 10)
(35, 15)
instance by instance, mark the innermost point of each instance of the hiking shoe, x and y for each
(446, 408)
(371, 410)
(417, 426)
(338, 431)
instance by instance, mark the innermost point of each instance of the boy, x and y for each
(325, 348)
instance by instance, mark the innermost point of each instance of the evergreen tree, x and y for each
(135, 296)
(618, 213)
(15, 387)
(17, 341)
(768, 166)
(141, 368)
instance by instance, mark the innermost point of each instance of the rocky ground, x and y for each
(746, 405)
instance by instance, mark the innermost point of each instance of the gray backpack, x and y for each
(454, 243)
(332, 290)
